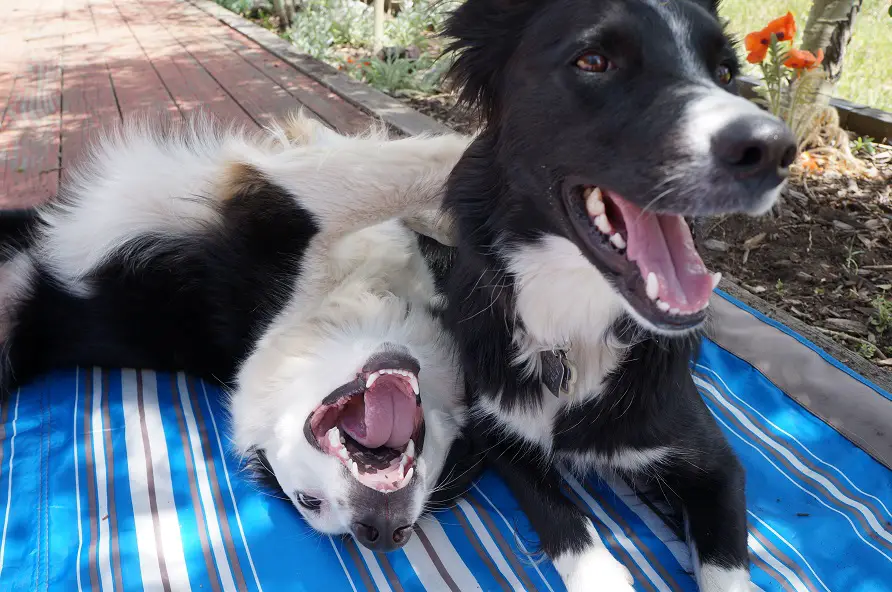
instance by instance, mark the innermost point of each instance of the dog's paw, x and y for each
(594, 569)
(713, 578)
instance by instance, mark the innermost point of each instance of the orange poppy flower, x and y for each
(757, 42)
(799, 59)
(784, 27)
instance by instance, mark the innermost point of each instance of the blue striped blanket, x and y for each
(120, 479)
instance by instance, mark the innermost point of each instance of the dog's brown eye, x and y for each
(723, 75)
(593, 62)
(309, 502)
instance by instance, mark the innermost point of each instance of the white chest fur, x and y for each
(562, 302)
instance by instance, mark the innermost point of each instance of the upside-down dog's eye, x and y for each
(593, 62)
(724, 75)
(309, 502)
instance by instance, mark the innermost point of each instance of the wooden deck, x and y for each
(68, 67)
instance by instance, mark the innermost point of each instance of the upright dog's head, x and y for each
(612, 120)
(352, 399)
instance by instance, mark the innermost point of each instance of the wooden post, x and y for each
(379, 25)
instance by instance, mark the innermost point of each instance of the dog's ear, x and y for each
(711, 5)
(436, 224)
(484, 35)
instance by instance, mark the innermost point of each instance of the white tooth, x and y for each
(354, 469)
(593, 204)
(587, 192)
(342, 452)
(603, 224)
(664, 306)
(716, 278)
(618, 241)
(409, 474)
(404, 460)
(410, 449)
(652, 286)
(334, 437)
(372, 378)
(674, 311)
(414, 382)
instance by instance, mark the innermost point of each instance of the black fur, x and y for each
(195, 305)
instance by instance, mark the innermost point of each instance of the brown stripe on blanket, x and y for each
(217, 495)
(110, 485)
(361, 567)
(630, 532)
(501, 543)
(150, 482)
(484, 556)
(773, 573)
(92, 504)
(609, 540)
(389, 573)
(805, 460)
(784, 559)
(435, 558)
(209, 564)
(829, 498)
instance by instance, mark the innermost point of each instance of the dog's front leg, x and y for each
(566, 534)
(714, 508)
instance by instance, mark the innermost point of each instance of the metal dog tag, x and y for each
(558, 373)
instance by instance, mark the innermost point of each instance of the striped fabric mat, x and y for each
(120, 480)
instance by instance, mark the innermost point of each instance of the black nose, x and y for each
(757, 146)
(381, 536)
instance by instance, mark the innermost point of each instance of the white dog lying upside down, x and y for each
(287, 265)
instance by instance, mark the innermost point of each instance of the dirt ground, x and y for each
(825, 255)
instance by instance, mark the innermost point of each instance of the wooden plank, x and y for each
(328, 106)
(137, 86)
(29, 141)
(11, 62)
(264, 100)
(396, 114)
(192, 88)
(88, 99)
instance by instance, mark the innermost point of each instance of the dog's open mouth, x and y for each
(651, 255)
(374, 425)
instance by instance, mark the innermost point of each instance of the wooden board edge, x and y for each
(393, 112)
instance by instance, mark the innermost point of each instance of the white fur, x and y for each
(16, 277)
(311, 350)
(363, 283)
(565, 302)
(681, 31)
(140, 182)
(707, 113)
(714, 578)
(626, 460)
(594, 568)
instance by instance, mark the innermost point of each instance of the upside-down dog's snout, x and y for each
(755, 148)
(379, 534)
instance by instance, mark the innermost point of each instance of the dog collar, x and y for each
(558, 372)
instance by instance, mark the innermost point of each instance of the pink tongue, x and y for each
(662, 244)
(385, 416)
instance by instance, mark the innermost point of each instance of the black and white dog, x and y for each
(578, 292)
(275, 264)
